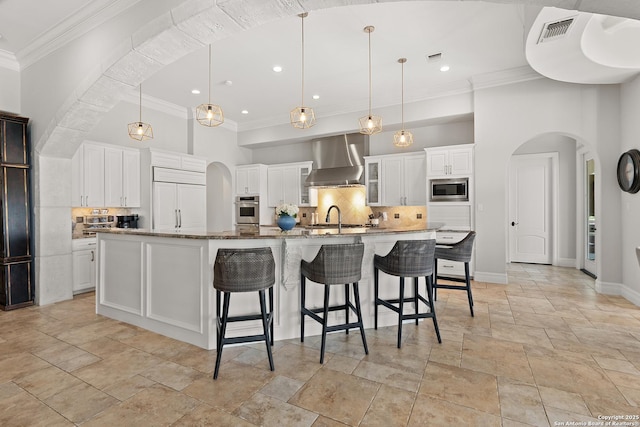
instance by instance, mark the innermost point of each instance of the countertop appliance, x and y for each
(248, 210)
(127, 221)
(449, 190)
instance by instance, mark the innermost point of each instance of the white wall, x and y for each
(9, 91)
(507, 116)
(566, 149)
(630, 212)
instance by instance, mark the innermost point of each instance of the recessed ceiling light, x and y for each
(316, 96)
(444, 68)
(277, 68)
(244, 112)
(195, 92)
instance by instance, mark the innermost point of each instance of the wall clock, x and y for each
(629, 171)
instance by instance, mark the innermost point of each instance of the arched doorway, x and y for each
(219, 197)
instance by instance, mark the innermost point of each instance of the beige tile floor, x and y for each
(543, 350)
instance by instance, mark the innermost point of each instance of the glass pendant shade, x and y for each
(302, 117)
(210, 115)
(139, 130)
(402, 138)
(370, 124)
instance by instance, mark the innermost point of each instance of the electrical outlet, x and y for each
(396, 216)
(419, 216)
(304, 215)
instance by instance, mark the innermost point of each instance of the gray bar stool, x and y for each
(333, 265)
(244, 270)
(460, 252)
(407, 258)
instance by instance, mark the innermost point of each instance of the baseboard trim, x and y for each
(566, 262)
(631, 295)
(500, 278)
(608, 288)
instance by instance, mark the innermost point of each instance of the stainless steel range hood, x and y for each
(338, 160)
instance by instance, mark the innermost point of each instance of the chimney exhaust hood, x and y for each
(338, 160)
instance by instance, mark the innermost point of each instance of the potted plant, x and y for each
(287, 214)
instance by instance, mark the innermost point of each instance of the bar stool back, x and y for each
(339, 264)
(243, 270)
(460, 252)
(407, 258)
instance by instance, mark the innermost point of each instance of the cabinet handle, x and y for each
(125, 200)
(176, 212)
(179, 218)
(93, 257)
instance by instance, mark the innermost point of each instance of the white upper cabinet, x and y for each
(454, 160)
(396, 180)
(122, 177)
(250, 178)
(167, 159)
(87, 174)
(285, 184)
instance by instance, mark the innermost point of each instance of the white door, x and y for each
(530, 209)
(93, 175)
(590, 217)
(113, 177)
(192, 207)
(415, 180)
(392, 185)
(131, 178)
(165, 206)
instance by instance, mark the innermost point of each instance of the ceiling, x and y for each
(475, 38)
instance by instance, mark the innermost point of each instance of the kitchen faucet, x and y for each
(339, 217)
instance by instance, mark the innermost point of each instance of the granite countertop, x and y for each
(274, 232)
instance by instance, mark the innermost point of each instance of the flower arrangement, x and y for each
(287, 209)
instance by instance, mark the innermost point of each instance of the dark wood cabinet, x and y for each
(16, 256)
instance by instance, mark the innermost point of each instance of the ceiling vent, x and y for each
(434, 57)
(555, 30)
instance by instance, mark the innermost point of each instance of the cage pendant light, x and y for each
(370, 124)
(209, 114)
(302, 117)
(140, 130)
(402, 138)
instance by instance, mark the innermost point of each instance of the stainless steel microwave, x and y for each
(449, 190)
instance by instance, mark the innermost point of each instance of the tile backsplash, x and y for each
(352, 204)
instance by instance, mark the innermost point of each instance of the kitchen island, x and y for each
(162, 281)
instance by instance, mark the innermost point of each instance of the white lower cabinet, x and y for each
(84, 265)
(179, 206)
(451, 268)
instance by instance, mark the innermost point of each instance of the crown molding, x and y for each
(504, 77)
(8, 60)
(94, 14)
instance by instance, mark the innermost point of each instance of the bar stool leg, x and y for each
(346, 306)
(415, 296)
(400, 308)
(265, 326)
(324, 322)
(302, 306)
(356, 294)
(468, 281)
(432, 307)
(271, 313)
(435, 280)
(375, 298)
(221, 333)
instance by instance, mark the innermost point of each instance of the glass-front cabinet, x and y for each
(372, 180)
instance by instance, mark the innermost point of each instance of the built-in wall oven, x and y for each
(248, 210)
(449, 190)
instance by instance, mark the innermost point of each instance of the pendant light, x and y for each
(209, 114)
(302, 117)
(402, 138)
(140, 130)
(370, 124)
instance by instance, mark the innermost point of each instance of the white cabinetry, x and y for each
(251, 179)
(447, 267)
(84, 264)
(122, 177)
(179, 206)
(285, 184)
(396, 179)
(455, 160)
(167, 159)
(87, 175)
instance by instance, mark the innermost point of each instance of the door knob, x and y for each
(513, 223)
